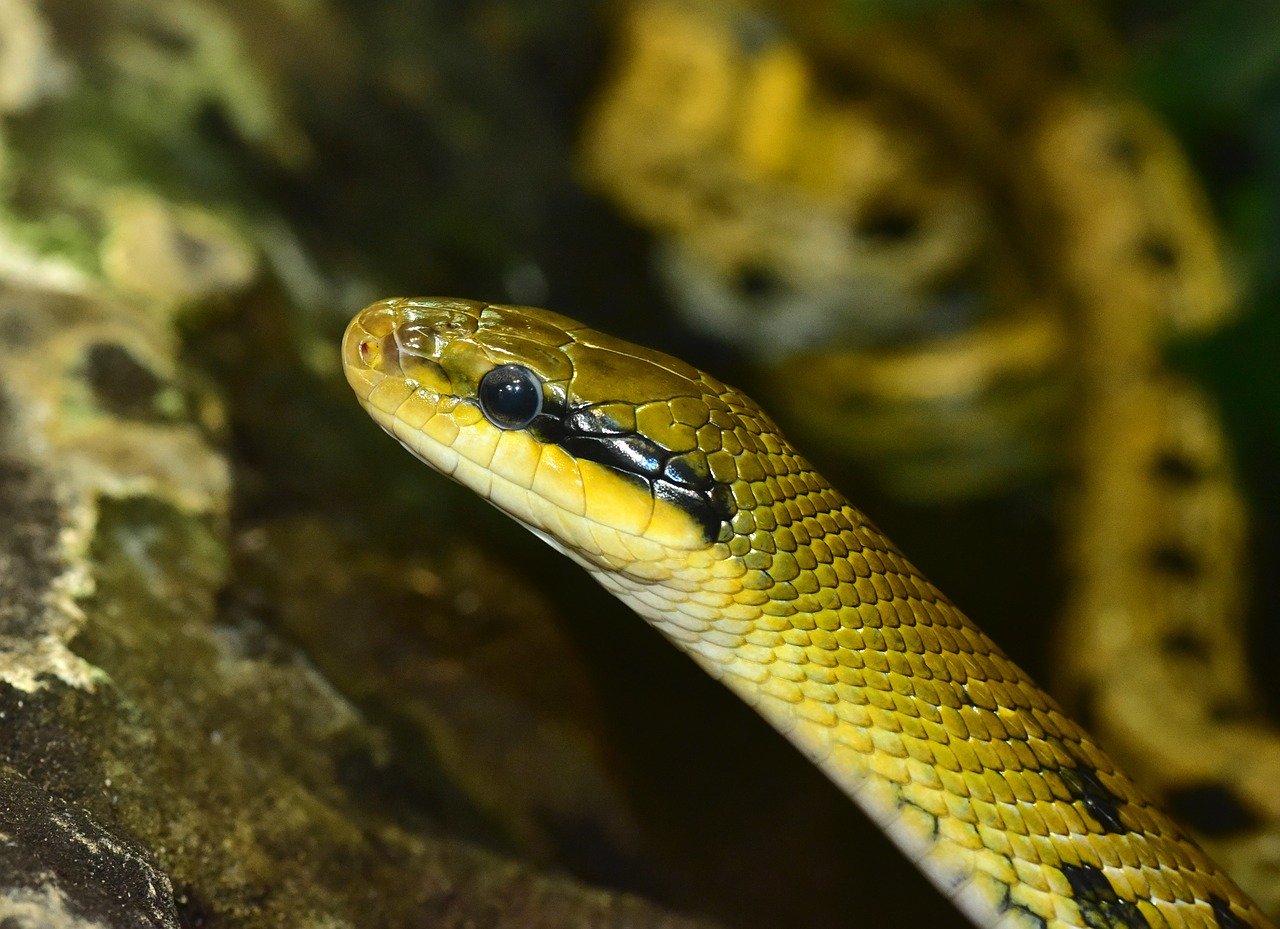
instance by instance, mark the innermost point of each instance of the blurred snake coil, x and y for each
(681, 497)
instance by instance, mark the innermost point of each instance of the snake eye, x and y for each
(510, 396)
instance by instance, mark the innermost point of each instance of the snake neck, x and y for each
(845, 648)
(828, 632)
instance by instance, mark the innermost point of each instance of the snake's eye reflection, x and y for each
(510, 396)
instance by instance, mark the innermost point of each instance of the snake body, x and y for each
(680, 496)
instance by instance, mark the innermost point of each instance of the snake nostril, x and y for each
(378, 353)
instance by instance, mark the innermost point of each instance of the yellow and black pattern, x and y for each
(679, 495)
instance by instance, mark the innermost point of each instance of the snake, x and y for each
(681, 497)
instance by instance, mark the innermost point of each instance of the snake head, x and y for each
(616, 454)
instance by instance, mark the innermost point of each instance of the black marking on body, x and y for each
(1100, 906)
(1008, 904)
(588, 433)
(1027, 914)
(935, 831)
(1213, 809)
(1175, 469)
(1160, 251)
(1226, 917)
(1176, 561)
(1228, 710)
(1085, 786)
(1185, 643)
(1126, 151)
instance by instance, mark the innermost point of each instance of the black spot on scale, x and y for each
(1100, 906)
(1084, 785)
(1212, 809)
(588, 433)
(1226, 917)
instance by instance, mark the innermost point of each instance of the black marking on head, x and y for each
(588, 433)
(888, 223)
(1100, 905)
(631, 453)
(1212, 809)
(589, 420)
(1084, 785)
(1226, 917)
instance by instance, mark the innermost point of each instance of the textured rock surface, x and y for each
(169, 759)
(211, 714)
(62, 869)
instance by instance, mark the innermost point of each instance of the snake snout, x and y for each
(405, 339)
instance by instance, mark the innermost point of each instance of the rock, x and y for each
(62, 870)
(169, 759)
(189, 735)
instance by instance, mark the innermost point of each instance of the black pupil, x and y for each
(510, 396)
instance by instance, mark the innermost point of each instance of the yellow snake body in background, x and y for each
(680, 496)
